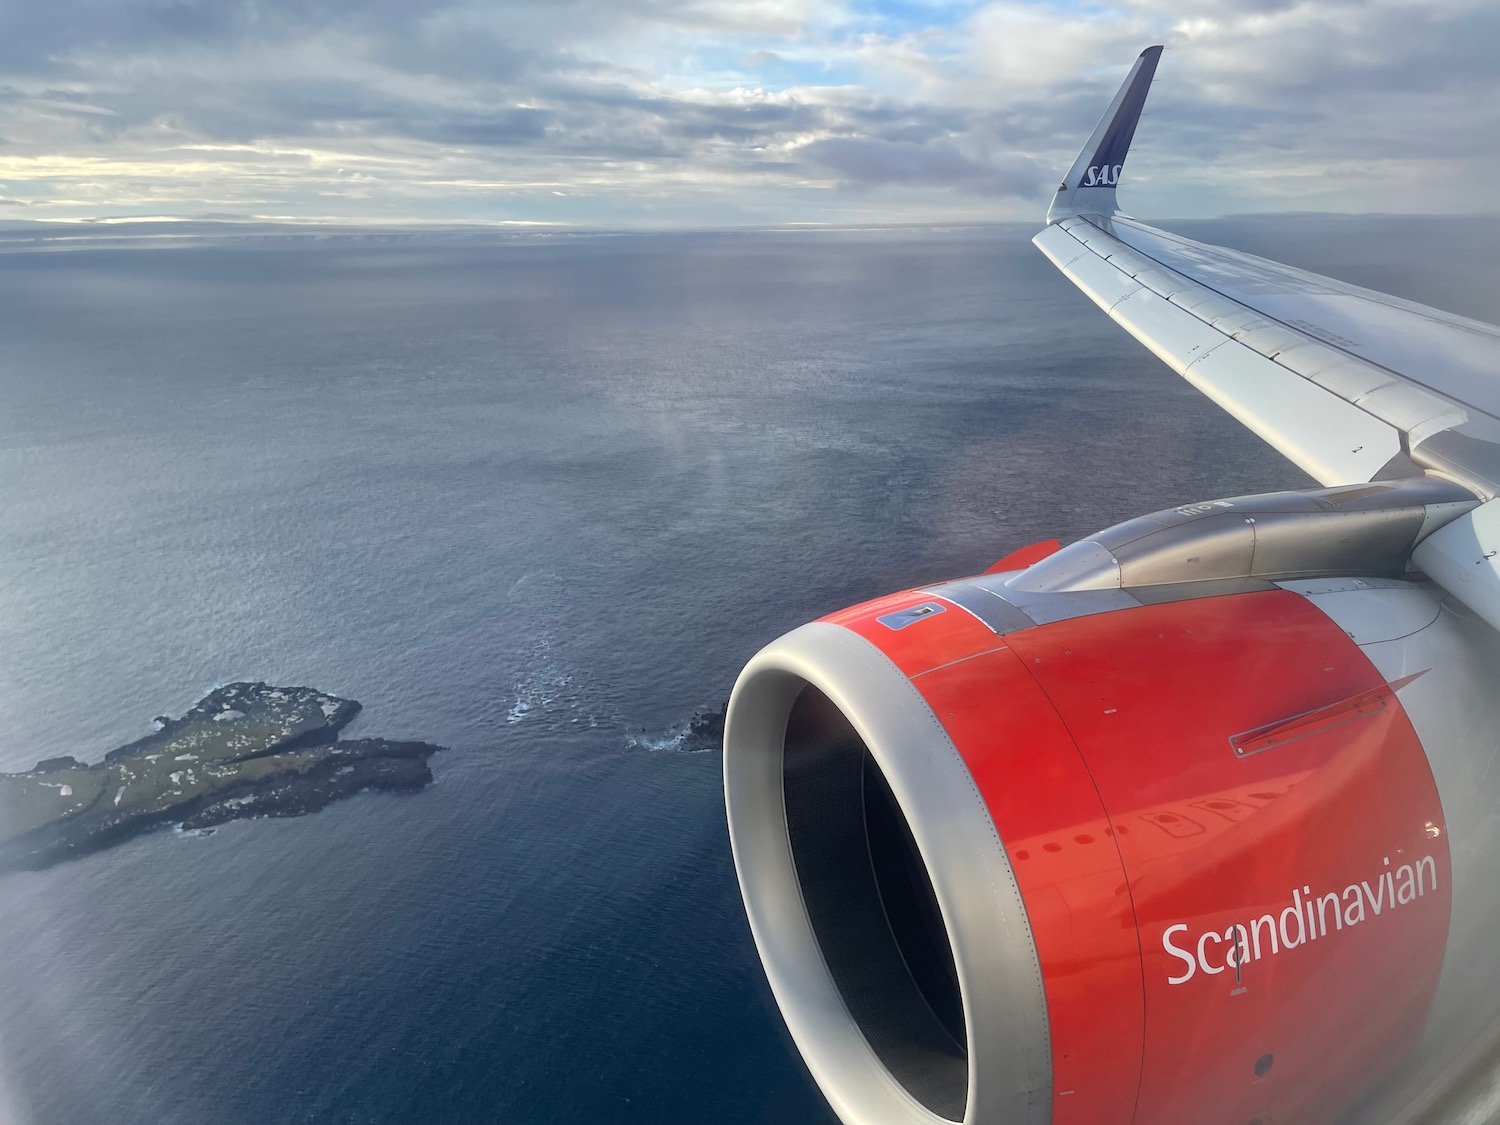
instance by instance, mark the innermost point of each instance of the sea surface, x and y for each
(536, 499)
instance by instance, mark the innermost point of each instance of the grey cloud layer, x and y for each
(624, 111)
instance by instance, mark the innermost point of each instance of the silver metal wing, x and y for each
(1350, 384)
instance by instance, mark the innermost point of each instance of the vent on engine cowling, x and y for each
(872, 907)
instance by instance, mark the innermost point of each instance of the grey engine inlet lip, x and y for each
(1004, 1006)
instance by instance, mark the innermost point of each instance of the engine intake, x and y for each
(884, 908)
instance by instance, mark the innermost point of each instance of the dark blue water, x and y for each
(536, 500)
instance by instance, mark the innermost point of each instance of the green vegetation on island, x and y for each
(245, 750)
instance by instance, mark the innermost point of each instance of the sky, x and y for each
(733, 113)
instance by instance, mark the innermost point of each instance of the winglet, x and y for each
(1089, 188)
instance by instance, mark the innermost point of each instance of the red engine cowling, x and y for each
(1178, 863)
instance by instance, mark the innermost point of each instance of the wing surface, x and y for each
(1350, 384)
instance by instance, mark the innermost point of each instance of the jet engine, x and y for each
(1187, 822)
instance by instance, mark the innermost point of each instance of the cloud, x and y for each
(708, 112)
(870, 162)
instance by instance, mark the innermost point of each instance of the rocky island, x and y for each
(245, 750)
(705, 730)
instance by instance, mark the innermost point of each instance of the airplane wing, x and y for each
(1351, 385)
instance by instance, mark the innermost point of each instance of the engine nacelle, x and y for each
(1192, 859)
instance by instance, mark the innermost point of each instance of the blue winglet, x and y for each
(1089, 187)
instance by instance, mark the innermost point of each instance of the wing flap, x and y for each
(1316, 361)
(1176, 336)
(1105, 285)
(1061, 248)
(1462, 557)
(1269, 338)
(1229, 352)
(1331, 440)
(1452, 360)
(1206, 305)
(1417, 413)
(1160, 282)
(1348, 378)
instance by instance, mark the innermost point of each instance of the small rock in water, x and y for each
(705, 730)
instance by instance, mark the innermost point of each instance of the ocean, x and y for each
(537, 499)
